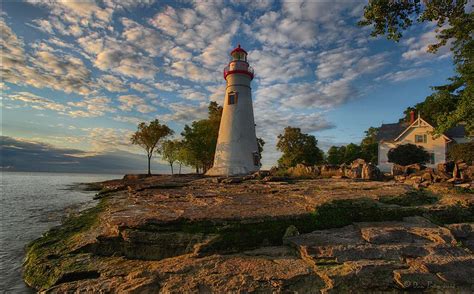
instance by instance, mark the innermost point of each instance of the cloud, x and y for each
(418, 47)
(405, 75)
(23, 155)
(280, 65)
(96, 106)
(141, 87)
(37, 102)
(64, 72)
(130, 102)
(112, 83)
(185, 113)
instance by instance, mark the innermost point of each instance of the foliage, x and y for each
(367, 150)
(412, 198)
(200, 139)
(148, 136)
(170, 152)
(451, 104)
(407, 154)
(344, 154)
(336, 155)
(260, 144)
(297, 148)
(369, 145)
(464, 151)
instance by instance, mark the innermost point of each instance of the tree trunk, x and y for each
(171, 166)
(149, 169)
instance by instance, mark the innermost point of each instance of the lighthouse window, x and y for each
(232, 98)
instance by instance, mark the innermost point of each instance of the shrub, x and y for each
(408, 154)
(463, 152)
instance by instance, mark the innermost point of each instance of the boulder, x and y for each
(398, 170)
(414, 168)
(446, 167)
(356, 168)
(371, 172)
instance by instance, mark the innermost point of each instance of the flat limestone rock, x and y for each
(176, 234)
(212, 274)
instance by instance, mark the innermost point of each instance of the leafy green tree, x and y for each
(260, 144)
(451, 104)
(336, 155)
(297, 148)
(352, 152)
(183, 156)
(200, 139)
(369, 145)
(407, 154)
(148, 136)
(464, 151)
(170, 152)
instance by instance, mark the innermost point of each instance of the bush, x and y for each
(463, 152)
(408, 154)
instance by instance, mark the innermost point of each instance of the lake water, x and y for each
(31, 203)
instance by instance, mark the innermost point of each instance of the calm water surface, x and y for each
(31, 203)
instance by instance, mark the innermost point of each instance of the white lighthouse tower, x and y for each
(237, 149)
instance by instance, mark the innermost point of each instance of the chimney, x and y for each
(412, 117)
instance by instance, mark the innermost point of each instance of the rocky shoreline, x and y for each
(259, 234)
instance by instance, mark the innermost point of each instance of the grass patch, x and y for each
(43, 265)
(340, 213)
(452, 214)
(412, 198)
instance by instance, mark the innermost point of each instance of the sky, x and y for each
(78, 76)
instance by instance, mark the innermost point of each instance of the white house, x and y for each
(418, 132)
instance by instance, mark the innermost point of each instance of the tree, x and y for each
(148, 136)
(464, 151)
(260, 144)
(352, 152)
(170, 152)
(451, 104)
(200, 139)
(334, 155)
(369, 145)
(297, 148)
(408, 154)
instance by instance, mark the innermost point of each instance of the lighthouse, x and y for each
(237, 149)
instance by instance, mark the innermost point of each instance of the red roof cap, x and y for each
(238, 49)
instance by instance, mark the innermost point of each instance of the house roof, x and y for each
(456, 132)
(391, 132)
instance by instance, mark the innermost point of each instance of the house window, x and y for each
(232, 98)
(420, 138)
(432, 158)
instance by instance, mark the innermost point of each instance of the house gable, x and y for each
(419, 126)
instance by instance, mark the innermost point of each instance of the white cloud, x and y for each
(184, 112)
(141, 87)
(38, 102)
(405, 75)
(62, 72)
(168, 86)
(96, 106)
(418, 47)
(130, 102)
(112, 83)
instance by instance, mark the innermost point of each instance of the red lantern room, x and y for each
(238, 64)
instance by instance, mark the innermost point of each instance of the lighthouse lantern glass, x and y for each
(238, 55)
